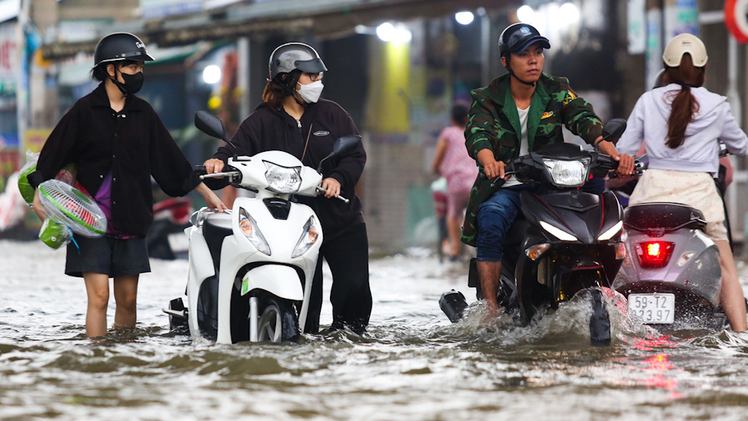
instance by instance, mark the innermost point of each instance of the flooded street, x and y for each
(412, 365)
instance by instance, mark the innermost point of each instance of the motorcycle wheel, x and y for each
(278, 322)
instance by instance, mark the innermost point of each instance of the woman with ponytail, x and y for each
(683, 124)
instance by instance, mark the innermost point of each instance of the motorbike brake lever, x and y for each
(221, 174)
(506, 173)
(337, 197)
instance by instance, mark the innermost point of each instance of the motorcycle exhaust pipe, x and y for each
(453, 304)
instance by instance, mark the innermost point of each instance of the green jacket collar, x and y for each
(501, 94)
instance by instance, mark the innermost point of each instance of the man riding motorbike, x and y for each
(517, 113)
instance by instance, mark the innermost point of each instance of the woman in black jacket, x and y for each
(117, 142)
(294, 119)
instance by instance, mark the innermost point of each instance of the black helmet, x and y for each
(517, 37)
(120, 46)
(295, 55)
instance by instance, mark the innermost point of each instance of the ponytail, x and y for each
(684, 105)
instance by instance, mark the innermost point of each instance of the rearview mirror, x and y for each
(210, 124)
(343, 146)
(613, 129)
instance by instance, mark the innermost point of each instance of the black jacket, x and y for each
(322, 123)
(133, 147)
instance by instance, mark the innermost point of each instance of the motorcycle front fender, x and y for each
(279, 280)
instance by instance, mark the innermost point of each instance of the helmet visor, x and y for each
(314, 65)
(523, 42)
(133, 55)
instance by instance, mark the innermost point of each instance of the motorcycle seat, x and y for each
(667, 217)
(216, 227)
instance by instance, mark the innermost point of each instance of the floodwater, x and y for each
(412, 365)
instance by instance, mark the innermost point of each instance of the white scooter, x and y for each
(251, 268)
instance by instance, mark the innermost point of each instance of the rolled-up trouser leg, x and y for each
(495, 216)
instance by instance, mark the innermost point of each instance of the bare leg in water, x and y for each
(489, 273)
(97, 290)
(125, 297)
(731, 294)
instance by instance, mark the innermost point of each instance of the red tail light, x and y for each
(654, 254)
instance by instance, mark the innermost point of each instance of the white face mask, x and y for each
(311, 92)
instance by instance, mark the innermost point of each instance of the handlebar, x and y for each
(337, 197)
(221, 174)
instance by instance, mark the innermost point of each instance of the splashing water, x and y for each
(412, 364)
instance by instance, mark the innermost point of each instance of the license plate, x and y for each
(653, 308)
(178, 242)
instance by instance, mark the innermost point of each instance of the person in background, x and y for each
(683, 124)
(293, 118)
(453, 162)
(117, 142)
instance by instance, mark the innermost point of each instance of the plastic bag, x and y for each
(23, 183)
(66, 175)
(72, 208)
(54, 234)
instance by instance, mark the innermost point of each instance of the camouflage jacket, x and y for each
(494, 124)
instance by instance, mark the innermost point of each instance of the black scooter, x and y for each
(563, 242)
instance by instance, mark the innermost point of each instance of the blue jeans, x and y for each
(495, 216)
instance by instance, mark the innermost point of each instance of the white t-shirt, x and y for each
(523, 147)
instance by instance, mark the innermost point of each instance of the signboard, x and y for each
(637, 26)
(654, 46)
(154, 9)
(681, 17)
(9, 9)
(8, 59)
(33, 139)
(736, 19)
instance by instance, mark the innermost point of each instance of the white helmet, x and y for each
(682, 44)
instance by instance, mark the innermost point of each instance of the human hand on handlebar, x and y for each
(213, 165)
(331, 187)
(625, 161)
(491, 167)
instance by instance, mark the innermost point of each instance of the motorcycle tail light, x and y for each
(654, 254)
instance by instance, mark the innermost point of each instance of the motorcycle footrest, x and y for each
(182, 314)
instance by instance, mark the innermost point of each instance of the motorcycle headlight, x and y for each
(557, 232)
(249, 227)
(282, 179)
(568, 173)
(607, 235)
(309, 236)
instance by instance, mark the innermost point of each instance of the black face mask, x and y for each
(132, 84)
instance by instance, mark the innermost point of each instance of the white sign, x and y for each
(9, 9)
(637, 26)
(154, 9)
(8, 59)
(654, 47)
